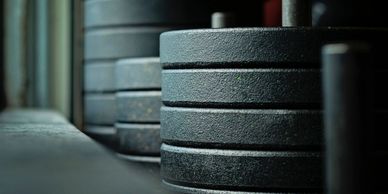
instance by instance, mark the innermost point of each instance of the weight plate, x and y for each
(138, 106)
(241, 169)
(138, 139)
(242, 128)
(140, 12)
(258, 47)
(242, 87)
(99, 76)
(143, 159)
(193, 190)
(123, 42)
(104, 134)
(166, 12)
(138, 73)
(100, 109)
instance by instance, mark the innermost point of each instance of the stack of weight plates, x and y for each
(242, 108)
(117, 29)
(138, 108)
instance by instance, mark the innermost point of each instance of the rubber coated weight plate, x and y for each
(138, 106)
(100, 109)
(123, 42)
(149, 166)
(138, 139)
(142, 159)
(138, 73)
(242, 87)
(255, 170)
(193, 190)
(99, 76)
(195, 13)
(151, 12)
(258, 47)
(242, 128)
(104, 134)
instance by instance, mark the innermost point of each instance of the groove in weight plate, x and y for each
(218, 168)
(123, 42)
(100, 109)
(138, 74)
(99, 76)
(194, 190)
(138, 107)
(104, 134)
(138, 139)
(259, 88)
(259, 47)
(242, 128)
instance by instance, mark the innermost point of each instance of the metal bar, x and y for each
(296, 13)
(345, 81)
(222, 20)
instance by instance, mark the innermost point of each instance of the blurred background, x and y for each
(37, 54)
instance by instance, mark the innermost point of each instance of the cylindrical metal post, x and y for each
(296, 13)
(345, 117)
(222, 20)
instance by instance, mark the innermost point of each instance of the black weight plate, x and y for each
(150, 12)
(100, 109)
(254, 170)
(242, 87)
(123, 42)
(147, 166)
(242, 128)
(99, 76)
(138, 73)
(100, 13)
(104, 134)
(193, 190)
(259, 47)
(141, 159)
(138, 139)
(138, 107)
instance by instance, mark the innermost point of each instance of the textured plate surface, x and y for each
(242, 128)
(138, 106)
(242, 87)
(217, 168)
(99, 76)
(103, 134)
(291, 47)
(100, 109)
(123, 42)
(138, 139)
(138, 74)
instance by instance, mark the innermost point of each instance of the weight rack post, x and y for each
(346, 117)
(296, 13)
